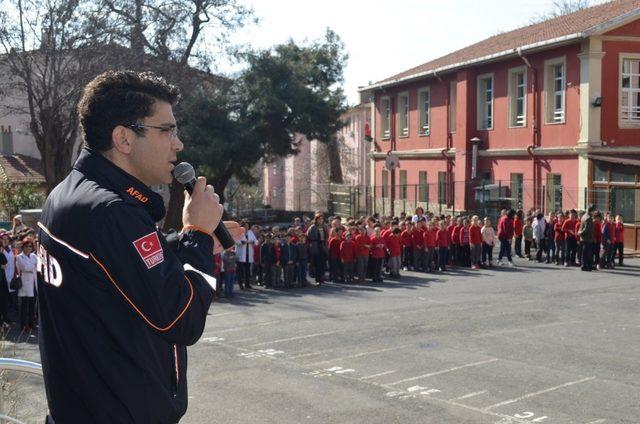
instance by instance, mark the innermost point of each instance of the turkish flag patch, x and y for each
(150, 249)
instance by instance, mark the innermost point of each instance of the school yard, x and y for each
(532, 344)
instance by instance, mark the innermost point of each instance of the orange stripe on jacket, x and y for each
(136, 308)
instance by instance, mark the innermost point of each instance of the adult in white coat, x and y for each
(244, 255)
(26, 265)
(8, 267)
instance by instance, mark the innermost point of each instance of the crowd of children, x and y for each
(373, 247)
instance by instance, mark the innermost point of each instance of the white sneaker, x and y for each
(500, 263)
(511, 264)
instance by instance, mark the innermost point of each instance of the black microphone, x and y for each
(186, 175)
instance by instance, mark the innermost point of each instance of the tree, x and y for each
(285, 90)
(14, 197)
(560, 8)
(47, 60)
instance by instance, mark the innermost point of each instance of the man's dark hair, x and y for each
(120, 98)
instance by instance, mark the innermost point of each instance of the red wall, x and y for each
(610, 133)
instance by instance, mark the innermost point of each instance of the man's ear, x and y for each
(121, 137)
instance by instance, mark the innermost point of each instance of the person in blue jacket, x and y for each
(117, 304)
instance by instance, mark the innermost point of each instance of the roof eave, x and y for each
(480, 60)
(595, 30)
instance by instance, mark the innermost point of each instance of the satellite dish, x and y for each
(392, 161)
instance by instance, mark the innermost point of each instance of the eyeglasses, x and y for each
(172, 130)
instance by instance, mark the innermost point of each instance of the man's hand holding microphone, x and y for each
(202, 209)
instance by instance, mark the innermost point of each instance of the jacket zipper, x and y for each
(175, 379)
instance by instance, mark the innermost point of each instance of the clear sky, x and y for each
(384, 38)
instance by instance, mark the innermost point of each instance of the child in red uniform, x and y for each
(452, 247)
(578, 242)
(465, 249)
(362, 254)
(418, 246)
(377, 254)
(429, 243)
(518, 224)
(569, 229)
(455, 243)
(407, 245)
(348, 257)
(334, 256)
(475, 242)
(393, 246)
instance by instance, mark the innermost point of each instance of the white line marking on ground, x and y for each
(308, 336)
(443, 371)
(213, 339)
(227, 330)
(357, 355)
(470, 395)
(227, 313)
(243, 340)
(378, 375)
(304, 355)
(600, 421)
(550, 389)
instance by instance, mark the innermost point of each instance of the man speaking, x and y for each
(118, 305)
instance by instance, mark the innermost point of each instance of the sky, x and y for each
(385, 38)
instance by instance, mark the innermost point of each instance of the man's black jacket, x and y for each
(117, 307)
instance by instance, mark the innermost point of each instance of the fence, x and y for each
(483, 199)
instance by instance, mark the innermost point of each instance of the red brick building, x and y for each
(545, 116)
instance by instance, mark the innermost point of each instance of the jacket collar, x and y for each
(133, 191)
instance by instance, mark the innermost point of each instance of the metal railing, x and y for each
(19, 366)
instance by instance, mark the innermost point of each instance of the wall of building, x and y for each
(611, 133)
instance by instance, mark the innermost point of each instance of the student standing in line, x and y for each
(558, 238)
(619, 240)
(229, 261)
(569, 229)
(505, 234)
(475, 242)
(348, 257)
(488, 241)
(455, 241)
(393, 246)
(302, 259)
(444, 239)
(527, 232)
(407, 245)
(597, 238)
(334, 255)
(363, 248)
(377, 254)
(518, 224)
(429, 246)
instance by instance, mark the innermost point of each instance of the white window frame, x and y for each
(385, 117)
(403, 115)
(453, 106)
(551, 115)
(484, 104)
(424, 109)
(626, 123)
(514, 120)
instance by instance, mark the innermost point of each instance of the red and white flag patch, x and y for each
(150, 249)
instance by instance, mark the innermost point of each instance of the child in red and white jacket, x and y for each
(394, 243)
(618, 246)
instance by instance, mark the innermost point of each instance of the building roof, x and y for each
(21, 169)
(556, 31)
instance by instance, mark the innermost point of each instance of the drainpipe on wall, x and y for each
(449, 139)
(535, 134)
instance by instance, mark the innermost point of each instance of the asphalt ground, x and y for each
(531, 344)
